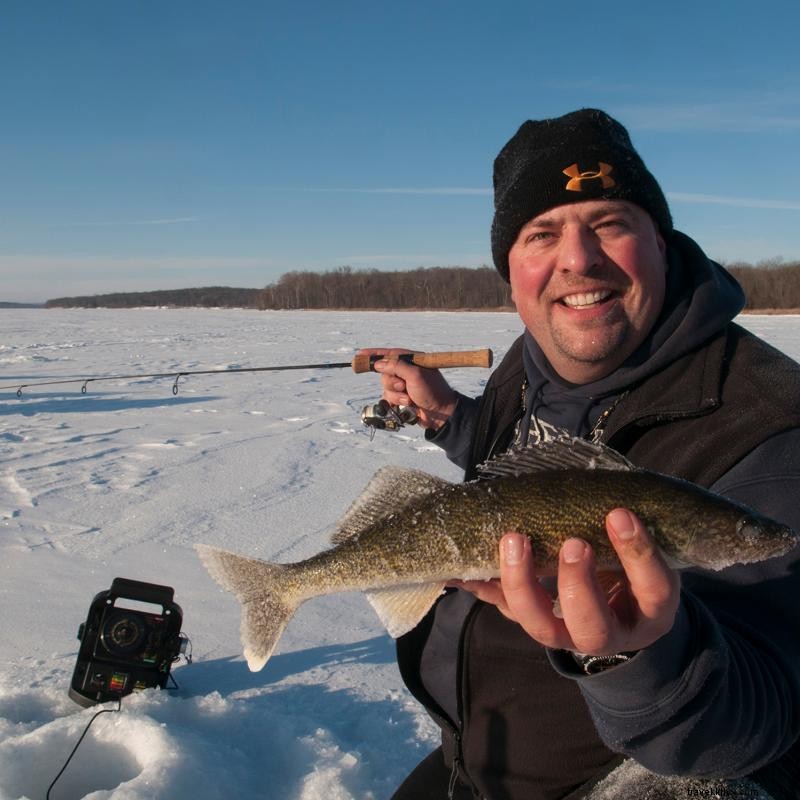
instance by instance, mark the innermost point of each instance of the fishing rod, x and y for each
(359, 363)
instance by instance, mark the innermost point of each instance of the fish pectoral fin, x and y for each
(400, 608)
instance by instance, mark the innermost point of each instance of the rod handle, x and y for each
(438, 360)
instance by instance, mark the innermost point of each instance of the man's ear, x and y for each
(662, 245)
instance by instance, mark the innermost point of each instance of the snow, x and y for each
(123, 480)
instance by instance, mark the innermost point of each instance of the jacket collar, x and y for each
(688, 387)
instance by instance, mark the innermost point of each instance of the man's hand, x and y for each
(632, 618)
(408, 385)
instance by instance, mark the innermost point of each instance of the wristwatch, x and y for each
(591, 665)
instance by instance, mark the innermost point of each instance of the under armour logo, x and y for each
(576, 177)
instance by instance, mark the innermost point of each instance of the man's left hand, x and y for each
(592, 621)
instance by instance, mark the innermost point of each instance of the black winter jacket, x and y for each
(719, 696)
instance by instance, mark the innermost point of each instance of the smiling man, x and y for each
(629, 340)
(588, 282)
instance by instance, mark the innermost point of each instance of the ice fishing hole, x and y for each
(30, 764)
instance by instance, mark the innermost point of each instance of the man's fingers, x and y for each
(394, 375)
(393, 385)
(405, 384)
(639, 610)
(488, 591)
(527, 601)
(390, 364)
(395, 393)
(654, 587)
(583, 601)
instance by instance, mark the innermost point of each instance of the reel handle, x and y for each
(437, 360)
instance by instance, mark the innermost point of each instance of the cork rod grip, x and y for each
(439, 360)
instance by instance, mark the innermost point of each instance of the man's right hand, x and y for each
(407, 385)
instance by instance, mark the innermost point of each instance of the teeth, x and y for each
(585, 298)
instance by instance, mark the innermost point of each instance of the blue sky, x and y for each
(163, 144)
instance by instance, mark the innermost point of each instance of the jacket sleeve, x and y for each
(719, 695)
(455, 436)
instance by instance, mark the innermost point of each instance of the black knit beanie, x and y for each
(584, 155)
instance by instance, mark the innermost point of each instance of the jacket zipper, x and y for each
(451, 786)
(460, 730)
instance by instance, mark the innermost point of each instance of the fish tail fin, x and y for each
(259, 586)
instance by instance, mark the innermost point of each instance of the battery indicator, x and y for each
(118, 681)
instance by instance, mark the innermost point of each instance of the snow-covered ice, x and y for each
(122, 480)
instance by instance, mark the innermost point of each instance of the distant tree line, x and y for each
(431, 287)
(768, 285)
(207, 297)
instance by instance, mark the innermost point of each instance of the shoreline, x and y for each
(386, 310)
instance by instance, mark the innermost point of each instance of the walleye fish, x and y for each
(409, 533)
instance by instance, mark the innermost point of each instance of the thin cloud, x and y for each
(428, 190)
(406, 258)
(122, 223)
(738, 202)
(108, 266)
(449, 190)
(678, 197)
(728, 116)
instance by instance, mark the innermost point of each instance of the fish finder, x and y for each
(131, 637)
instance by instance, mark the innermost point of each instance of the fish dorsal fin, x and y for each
(389, 491)
(400, 608)
(562, 452)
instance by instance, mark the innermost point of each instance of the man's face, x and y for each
(588, 280)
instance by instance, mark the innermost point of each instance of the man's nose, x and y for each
(579, 250)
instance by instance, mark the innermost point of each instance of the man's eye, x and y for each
(611, 224)
(538, 236)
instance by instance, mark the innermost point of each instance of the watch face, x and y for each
(594, 664)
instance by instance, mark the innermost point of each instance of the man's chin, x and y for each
(588, 360)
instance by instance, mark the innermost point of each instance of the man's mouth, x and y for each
(586, 299)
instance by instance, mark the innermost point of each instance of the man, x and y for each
(629, 341)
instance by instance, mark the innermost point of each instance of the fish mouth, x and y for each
(586, 299)
(764, 538)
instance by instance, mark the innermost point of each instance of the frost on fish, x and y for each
(409, 533)
(632, 780)
(265, 613)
